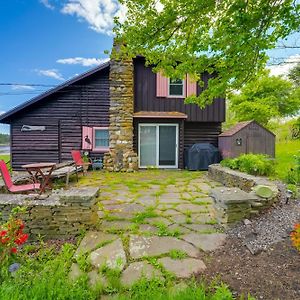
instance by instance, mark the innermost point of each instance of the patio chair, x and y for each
(12, 187)
(80, 164)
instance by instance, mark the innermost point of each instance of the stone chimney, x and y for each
(121, 156)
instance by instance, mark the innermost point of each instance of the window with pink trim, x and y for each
(101, 139)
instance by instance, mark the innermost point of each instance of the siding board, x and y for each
(63, 113)
(146, 100)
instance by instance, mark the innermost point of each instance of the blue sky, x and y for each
(49, 41)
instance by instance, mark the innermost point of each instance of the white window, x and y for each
(101, 139)
(176, 88)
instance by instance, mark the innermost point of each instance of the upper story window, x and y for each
(176, 87)
(101, 138)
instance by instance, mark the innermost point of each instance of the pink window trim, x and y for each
(191, 87)
(87, 132)
(99, 149)
(162, 84)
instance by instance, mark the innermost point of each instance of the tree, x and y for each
(294, 75)
(228, 38)
(265, 98)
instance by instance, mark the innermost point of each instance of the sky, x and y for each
(46, 42)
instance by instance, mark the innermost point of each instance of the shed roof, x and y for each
(160, 114)
(4, 118)
(239, 126)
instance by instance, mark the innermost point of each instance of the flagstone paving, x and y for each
(151, 224)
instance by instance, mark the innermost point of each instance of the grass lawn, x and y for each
(285, 152)
(5, 157)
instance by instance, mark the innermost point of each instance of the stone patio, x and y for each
(151, 224)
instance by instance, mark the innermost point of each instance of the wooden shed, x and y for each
(247, 137)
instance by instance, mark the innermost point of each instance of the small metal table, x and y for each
(39, 169)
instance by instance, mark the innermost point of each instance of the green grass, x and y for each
(44, 275)
(284, 157)
(6, 158)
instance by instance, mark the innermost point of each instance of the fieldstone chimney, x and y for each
(121, 156)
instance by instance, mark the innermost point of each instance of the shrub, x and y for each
(11, 237)
(293, 175)
(295, 237)
(255, 164)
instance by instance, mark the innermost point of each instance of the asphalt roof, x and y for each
(4, 117)
(239, 126)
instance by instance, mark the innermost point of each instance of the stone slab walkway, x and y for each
(151, 224)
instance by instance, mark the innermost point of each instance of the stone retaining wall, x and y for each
(61, 215)
(239, 200)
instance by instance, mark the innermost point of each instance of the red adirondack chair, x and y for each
(80, 164)
(12, 187)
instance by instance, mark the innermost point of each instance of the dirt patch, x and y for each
(274, 271)
(272, 274)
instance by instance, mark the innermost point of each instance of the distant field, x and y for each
(285, 152)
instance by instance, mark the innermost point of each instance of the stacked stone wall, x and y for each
(121, 156)
(63, 215)
(237, 199)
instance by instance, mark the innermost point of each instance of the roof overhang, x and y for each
(5, 118)
(160, 115)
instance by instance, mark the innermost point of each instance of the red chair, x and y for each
(80, 164)
(12, 187)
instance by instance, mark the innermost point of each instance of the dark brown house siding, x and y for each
(146, 100)
(63, 113)
(198, 132)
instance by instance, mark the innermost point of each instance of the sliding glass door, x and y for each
(158, 145)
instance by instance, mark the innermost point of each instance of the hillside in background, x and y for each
(4, 139)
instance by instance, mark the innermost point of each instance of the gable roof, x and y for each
(239, 126)
(4, 117)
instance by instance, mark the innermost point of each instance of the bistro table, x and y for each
(40, 169)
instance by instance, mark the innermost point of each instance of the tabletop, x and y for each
(39, 165)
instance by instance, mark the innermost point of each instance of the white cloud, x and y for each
(86, 62)
(47, 4)
(21, 87)
(99, 14)
(284, 68)
(52, 73)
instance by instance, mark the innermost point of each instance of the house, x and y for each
(121, 111)
(247, 137)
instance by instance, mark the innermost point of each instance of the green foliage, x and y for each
(293, 175)
(285, 131)
(177, 254)
(155, 289)
(293, 188)
(4, 139)
(44, 275)
(294, 75)
(163, 230)
(255, 164)
(265, 98)
(285, 152)
(228, 39)
(141, 216)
